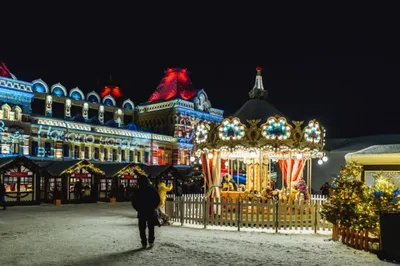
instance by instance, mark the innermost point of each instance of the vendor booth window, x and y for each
(47, 149)
(114, 154)
(105, 184)
(66, 150)
(76, 152)
(96, 153)
(25, 184)
(41, 184)
(53, 182)
(123, 155)
(86, 152)
(146, 157)
(131, 156)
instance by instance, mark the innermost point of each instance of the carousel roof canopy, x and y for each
(259, 130)
(257, 107)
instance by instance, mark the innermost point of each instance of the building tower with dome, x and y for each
(174, 108)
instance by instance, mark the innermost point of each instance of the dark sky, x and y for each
(349, 81)
(350, 95)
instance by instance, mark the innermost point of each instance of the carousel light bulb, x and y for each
(226, 163)
(320, 162)
(325, 158)
(299, 156)
(192, 159)
(200, 162)
(210, 155)
(252, 153)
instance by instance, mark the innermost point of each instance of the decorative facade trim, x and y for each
(58, 85)
(78, 91)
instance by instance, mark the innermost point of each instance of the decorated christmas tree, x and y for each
(384, 195)
(346, 197)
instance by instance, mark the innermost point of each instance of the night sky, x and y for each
(353, 91)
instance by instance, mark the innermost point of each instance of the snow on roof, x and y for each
(376, 155)
(380, 149)
(359, 143)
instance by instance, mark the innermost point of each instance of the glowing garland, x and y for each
(131, 169)
(231, 130)
(201, 133)
(276, 130)
(82, 165)
(313, 132)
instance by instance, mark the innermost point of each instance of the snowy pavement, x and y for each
(107, 234)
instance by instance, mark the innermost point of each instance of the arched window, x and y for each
(6, 111)
(108, 102)
(76, 95)
(18, 113)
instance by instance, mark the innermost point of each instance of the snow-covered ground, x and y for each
(107, 234)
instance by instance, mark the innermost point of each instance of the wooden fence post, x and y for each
(276, 216)
(205, 212)
(315, 217)
(238, 211)
(182, 209)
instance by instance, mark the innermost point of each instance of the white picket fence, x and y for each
(271, 215)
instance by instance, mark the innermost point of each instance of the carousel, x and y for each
(237, 155)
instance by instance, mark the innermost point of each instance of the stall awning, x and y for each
(59, 168)
(376, 155)
(9, 162)
(111, 169)
(152, 171)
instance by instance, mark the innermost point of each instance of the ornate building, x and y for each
(174, 109)
(51, 122)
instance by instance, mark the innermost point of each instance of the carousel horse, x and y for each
(228, 184)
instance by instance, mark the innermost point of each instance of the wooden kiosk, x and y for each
(21, 178)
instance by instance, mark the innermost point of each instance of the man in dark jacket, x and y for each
(145, 201)
(3, 196)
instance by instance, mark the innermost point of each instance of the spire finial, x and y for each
(258, 70)
(258, 91)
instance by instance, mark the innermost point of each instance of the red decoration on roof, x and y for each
(258, 68)
(175, 84)
(4, 72)
(114, 91)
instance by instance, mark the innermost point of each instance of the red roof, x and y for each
(4, 72)
(176, 83)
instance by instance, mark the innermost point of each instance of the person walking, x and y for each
(3, 196)
(325, 189)
(145, 201)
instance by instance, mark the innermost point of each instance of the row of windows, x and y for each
(112, 155)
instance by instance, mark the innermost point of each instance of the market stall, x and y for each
(74, 180)
(378, 159)
(20, 177)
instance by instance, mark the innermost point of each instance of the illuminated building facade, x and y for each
(51, 123)
(174, 109)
